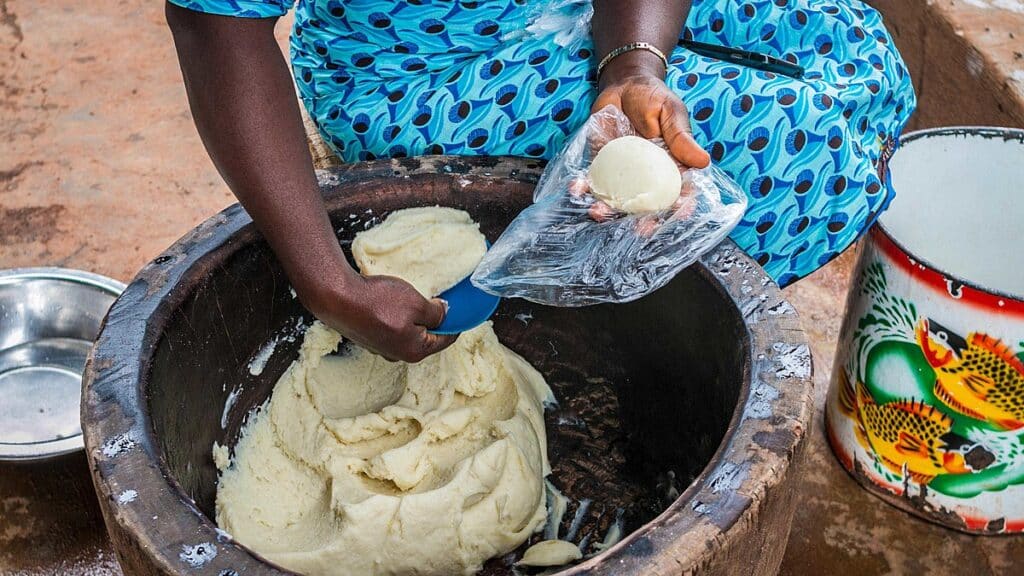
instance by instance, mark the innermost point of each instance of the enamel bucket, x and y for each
(926, 404)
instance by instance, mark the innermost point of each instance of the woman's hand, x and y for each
(243, 101)
(383, 314)
(633, 83)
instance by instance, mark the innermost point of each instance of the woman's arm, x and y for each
(634, 81)
(245, 108)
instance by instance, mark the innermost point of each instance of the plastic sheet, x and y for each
(568, 20)
(568, 249)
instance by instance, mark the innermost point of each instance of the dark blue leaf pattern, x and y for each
(409, 77)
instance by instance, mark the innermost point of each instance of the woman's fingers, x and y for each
(641, 107)
(431, 316)
(655, 111)
(605, 98)
(434, 343)
(600, 212)
(606, 128)
(684, 208)
(578, 187)
(647, 225)
(675, 130)
(432, 313)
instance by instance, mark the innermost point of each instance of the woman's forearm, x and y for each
(620, 22)
(244, 104)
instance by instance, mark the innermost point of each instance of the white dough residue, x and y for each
(127, 497)
(221, 456)
(259, 361)
(551, 553)
(229, 403)
(288, 334)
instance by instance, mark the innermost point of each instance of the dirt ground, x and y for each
(101, 169)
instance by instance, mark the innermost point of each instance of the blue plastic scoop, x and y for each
(468, 307)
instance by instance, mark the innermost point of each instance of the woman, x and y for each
(411, 77)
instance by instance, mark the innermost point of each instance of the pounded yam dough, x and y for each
(359, 466)
(432, 248)
(551, 553)
(633, 174)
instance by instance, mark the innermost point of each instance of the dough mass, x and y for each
(360, 466)
(431, 248)
(633, 174)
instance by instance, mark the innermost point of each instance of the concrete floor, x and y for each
(101, 169)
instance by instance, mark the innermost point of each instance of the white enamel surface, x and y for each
(960, 206)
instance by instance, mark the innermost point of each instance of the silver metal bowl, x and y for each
(49, 318)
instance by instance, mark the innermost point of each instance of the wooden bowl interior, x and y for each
(646, 390)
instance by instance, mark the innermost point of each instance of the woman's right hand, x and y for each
(243, 100)
(383, 314)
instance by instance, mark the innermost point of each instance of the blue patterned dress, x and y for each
(411, 77)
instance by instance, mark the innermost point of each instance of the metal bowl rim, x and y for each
(30, 452)
(12, 275)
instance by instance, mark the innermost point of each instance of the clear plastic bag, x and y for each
(567, 249)
(567, 20)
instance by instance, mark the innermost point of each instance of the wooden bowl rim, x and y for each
(764, 436)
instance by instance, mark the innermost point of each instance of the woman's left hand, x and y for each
(654, 110)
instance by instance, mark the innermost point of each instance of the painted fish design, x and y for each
(909, 437)
(978, 376)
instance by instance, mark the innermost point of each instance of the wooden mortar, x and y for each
(686, 409)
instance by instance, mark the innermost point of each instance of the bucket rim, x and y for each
(988, 133)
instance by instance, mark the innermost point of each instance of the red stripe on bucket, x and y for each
(975, 523)
(921, 272)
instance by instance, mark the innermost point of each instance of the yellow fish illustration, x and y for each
(978, 377)
(907, 436)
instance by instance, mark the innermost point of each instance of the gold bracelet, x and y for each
(629, 48)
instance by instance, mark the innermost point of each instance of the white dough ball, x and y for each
(633, 174)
